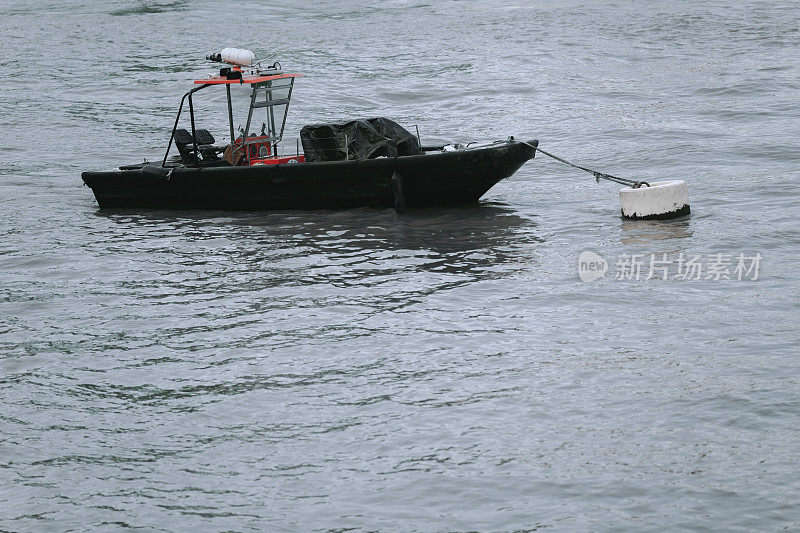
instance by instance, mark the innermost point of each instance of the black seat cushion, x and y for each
(204, 137)
(183, 137)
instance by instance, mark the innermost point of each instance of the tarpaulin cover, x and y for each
(357, 139)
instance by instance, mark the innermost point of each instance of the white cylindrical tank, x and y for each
(238, 56)
(662, 199)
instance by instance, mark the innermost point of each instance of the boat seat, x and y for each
(205, 145)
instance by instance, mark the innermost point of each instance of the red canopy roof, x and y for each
(218, 80)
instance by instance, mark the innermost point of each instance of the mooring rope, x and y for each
(597, 175)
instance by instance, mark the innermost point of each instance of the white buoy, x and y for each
(238, 56)
(662, 199)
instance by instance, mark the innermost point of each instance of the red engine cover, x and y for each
(257, 148)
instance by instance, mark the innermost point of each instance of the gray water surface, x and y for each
(439, 370)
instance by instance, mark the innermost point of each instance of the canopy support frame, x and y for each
(177, 118)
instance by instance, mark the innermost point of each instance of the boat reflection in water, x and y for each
(352, 247)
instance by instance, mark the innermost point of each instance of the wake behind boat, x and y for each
(367, 162)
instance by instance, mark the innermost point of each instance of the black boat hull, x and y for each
(441, 179)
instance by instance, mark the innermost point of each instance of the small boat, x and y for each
(360, 163)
